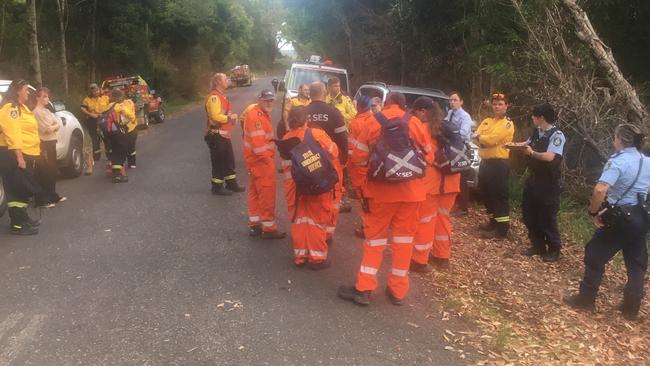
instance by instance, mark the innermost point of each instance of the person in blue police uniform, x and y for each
(619, 211)
(541, 197)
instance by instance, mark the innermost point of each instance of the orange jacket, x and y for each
(258, 137)
(356, 168)
(409, 191)
(218, 109)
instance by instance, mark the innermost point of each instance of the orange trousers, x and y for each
(309, 227)
(336, 203)
(435, 229)
(401, 219)
(261, 197)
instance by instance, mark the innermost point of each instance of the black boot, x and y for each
(233, 186)
(350, 293)
(551, 256)
(581, 302)
(118, 177)
(20, 222)
(630, 309)
(220, 190)
(488, 226)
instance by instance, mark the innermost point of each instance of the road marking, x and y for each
(17, 343)
(9, 323)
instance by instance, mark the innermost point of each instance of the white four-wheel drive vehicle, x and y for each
(69, 146)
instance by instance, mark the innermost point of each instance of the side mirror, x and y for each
(281, 86)
(275, 83)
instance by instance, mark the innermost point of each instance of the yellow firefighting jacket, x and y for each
(344, 104)
(126, 111)
(493, 134)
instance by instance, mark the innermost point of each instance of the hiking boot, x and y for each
(394, 300)
(458, 212)
(273, 235)
(493, 234)
(300, 262)
(629, 310)
(350, 293)
(488, 226)
(317, 266)
(439, 263)
(120, 179)
(345, 207)
(255, 231)
(532, 251)
(581, 302)
(24, 229)
(220, 190)
(359, 233)
(420, 268)
(233, 186)
(551, 257)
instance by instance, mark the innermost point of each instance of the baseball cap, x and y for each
(266, 94)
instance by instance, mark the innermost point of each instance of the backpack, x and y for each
(311, 168)
(109, 122)
(454, 154)
(395, 158)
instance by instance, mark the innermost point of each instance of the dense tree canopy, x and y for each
(174, 43)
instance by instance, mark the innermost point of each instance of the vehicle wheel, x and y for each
(74, 161)
(3, 200)
(250, 81)
(159, 116)
(145, 121)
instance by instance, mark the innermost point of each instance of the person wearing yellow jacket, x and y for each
(92, 106)
(338, 100)
(131, 132)
(19, 150)
(491, 136)
(123, 116)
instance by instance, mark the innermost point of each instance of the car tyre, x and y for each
(74, 161)
(158, 116)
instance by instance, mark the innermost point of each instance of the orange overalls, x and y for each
(434, 231)
(259, 152)
(358, 158)
(310, 214)
(393, 208)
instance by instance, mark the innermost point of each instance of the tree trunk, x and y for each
(33, 42)
(3, 13)
(62, 9)
(93, 44)
(603, 54)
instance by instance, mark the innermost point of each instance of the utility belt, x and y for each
(615, 215)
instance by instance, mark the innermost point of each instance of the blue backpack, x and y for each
(109, 122)
(311, 168)
(395, 158)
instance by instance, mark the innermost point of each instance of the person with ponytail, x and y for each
(19, 150)
(619, 211)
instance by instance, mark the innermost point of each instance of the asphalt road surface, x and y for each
(160, 272)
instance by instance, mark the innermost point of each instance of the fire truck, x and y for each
(148, 106)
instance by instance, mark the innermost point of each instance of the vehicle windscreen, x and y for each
(410, 98)
(307, 76)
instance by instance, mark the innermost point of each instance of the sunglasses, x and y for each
(498, 96)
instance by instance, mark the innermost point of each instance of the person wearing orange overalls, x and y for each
(357, 165)
(432, 239)
(218, 135)
(393, 209)
(259, 154)
(310, 214)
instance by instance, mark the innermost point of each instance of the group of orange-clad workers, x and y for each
(410, 216)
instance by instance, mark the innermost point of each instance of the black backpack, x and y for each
(454, 155)
(311, 168)
(395, 158)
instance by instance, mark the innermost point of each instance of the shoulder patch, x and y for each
(258, 124)
(14, 114)
(608, 165)
(213, 99)
(557, 141)
(509, 124)
(259, 114)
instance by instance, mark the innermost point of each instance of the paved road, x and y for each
(160, 272)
